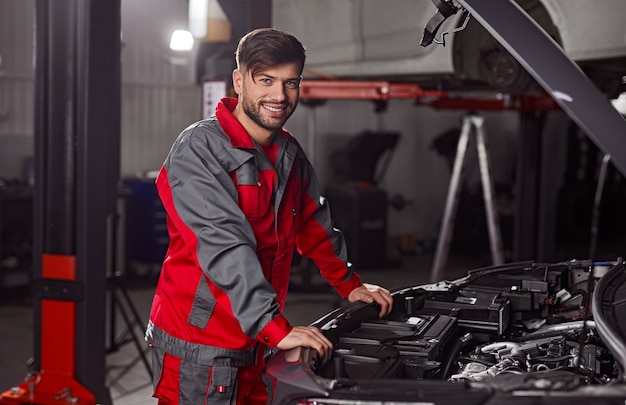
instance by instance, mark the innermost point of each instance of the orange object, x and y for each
(56, 382)
(382, 91)
(363, 90)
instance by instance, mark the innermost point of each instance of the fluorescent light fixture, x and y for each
(198, 17)
(181, 41)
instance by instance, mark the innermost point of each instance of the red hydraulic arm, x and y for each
(55, 383)
(363, 90)
(384, 91)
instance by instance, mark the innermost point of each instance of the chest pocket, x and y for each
(255, 192)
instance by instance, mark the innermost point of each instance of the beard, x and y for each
(253, 111)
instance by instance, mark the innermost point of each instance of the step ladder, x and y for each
(472, 125)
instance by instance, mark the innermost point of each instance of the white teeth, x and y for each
(273, 108)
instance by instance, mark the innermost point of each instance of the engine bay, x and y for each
(523, 326)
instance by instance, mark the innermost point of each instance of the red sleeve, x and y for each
(275, 331)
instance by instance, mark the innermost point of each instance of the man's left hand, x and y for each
(372, 293)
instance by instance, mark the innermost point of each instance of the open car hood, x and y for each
(555, 72)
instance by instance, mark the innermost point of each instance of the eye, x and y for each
(292, 84)
(265, 80)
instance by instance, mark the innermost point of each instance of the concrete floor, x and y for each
(127, 376)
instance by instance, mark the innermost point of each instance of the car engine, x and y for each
(522, 326)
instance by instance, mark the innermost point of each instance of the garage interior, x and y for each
(92, 96)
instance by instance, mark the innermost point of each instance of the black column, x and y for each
(97, 175)
(77, 139)
(527, 186)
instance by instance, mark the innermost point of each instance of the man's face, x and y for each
(269, 98)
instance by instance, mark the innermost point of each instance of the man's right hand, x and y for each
(307, 336)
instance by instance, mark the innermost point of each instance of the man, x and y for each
(240, 196)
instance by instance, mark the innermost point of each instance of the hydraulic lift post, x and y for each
(77, 137)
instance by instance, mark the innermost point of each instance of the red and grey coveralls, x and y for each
(234, 219)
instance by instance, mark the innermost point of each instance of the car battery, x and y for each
(359, 211)
(477, 311)
(422, 335)
(388, 349)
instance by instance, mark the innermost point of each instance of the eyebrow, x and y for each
(296, 78)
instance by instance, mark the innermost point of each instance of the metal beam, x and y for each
(364, 90)
(378, 90)
(97, 174)
(555, 72)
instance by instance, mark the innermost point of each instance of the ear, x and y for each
(237, 81)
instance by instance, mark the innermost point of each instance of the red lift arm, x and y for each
(363, 90)
(55, 383)
(384, 91)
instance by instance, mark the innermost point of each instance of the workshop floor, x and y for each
(127, 376)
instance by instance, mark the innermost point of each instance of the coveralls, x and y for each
(235, 213)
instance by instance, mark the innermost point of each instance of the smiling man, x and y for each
(266, 99)
(240, 197)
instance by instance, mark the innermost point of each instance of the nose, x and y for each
(277, 92)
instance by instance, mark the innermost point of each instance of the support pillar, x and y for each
(77, 138)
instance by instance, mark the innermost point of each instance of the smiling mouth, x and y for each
(274, 109)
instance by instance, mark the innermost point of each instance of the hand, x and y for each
(372, 293)
(307, 336)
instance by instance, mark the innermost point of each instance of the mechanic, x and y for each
(240, 196)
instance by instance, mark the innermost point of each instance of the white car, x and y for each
(366, 39)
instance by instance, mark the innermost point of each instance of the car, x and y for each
(356, 41)
(518, 333)
(523, 332)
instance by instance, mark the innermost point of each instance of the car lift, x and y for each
(381, 92)
(312, 92)
(76, 137)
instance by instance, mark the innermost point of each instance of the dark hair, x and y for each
(268, 47)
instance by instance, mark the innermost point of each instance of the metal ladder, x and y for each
(470, 121)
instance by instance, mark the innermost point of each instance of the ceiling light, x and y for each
(181, 41)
